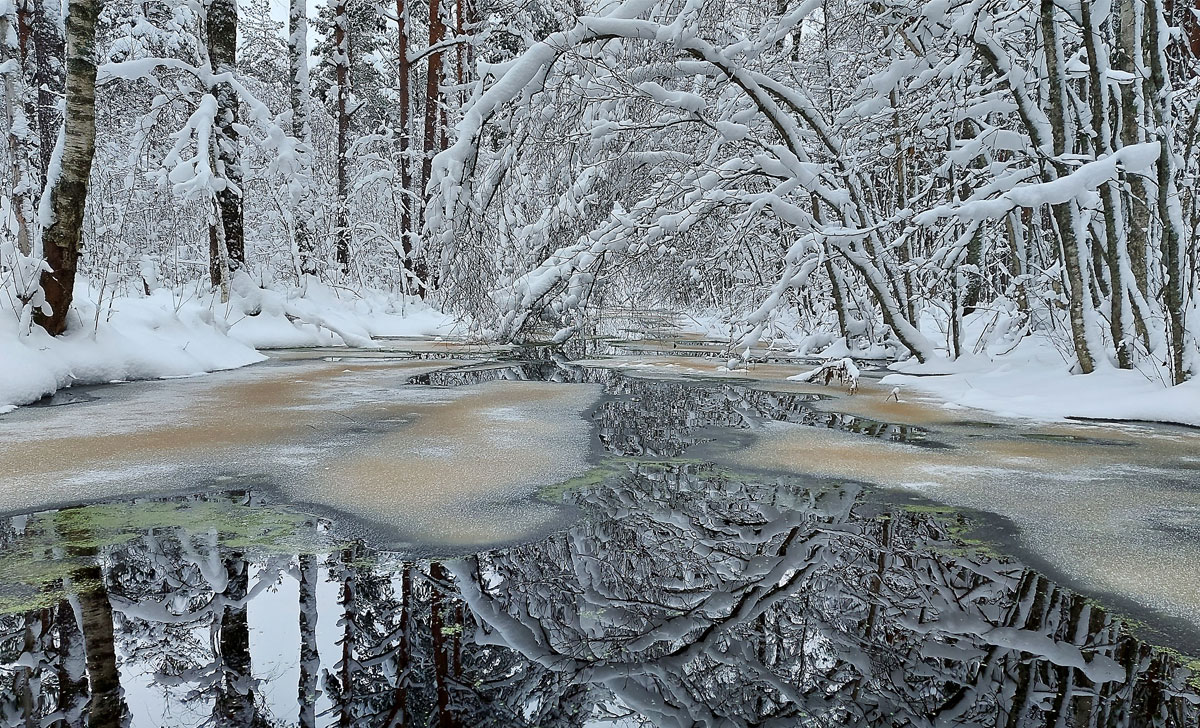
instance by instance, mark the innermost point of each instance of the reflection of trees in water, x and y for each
(686, 596)
(663, 417)
(168, 601)
(735, 603)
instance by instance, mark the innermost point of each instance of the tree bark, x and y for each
(414, 270)
(17, 118)
(1065, 214)
(1170, 243)
(47, 53)
(341, 41)
(63, 238)
(1115, 249)
(433, 102)
(300, 97)
(222, 55)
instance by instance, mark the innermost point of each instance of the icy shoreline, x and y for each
(1034, 383)
(182, 333)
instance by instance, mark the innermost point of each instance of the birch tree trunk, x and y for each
(300, 98)
(14, 47)
(1170, 243)
(1066, 214)
(68, 185)
(1115, 251)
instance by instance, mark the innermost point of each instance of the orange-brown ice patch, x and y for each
(456, 472)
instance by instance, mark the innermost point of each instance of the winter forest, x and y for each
(878, 174)
(552, 363)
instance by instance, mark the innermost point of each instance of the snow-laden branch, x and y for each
(1084, 180)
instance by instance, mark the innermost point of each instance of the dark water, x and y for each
(683, 594)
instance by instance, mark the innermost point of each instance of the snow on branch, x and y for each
(1086, 179)
(842, 370)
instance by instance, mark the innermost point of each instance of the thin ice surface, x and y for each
(1111, 508)
(345, 434)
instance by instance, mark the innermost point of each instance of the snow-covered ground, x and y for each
(1033, 381)
(1026, 378)
(179, 333)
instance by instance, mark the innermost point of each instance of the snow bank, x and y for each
(178, 333)
(1035, 382)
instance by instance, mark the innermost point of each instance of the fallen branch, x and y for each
(843, 370)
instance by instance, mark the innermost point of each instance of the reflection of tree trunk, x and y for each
(309, 658)
(345, 667)
(341, 40)
(28, 686)
(106, 706)
(1068, 678)
(399, 712)
(456, 642)
(72, 680)
(441, 662)
(1034, 622)
(235, 698)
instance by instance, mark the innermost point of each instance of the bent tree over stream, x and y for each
(674, 587)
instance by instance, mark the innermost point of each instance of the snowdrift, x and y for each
(189, 331)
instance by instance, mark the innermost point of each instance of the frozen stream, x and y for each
(374, 538)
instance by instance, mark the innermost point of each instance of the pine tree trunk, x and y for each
(413, 268)
(63, 238)
(433, 102)
(47, 53)
(222, 56)
(341, 40)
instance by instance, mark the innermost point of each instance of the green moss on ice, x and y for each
(597, 475)
(47, 557)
